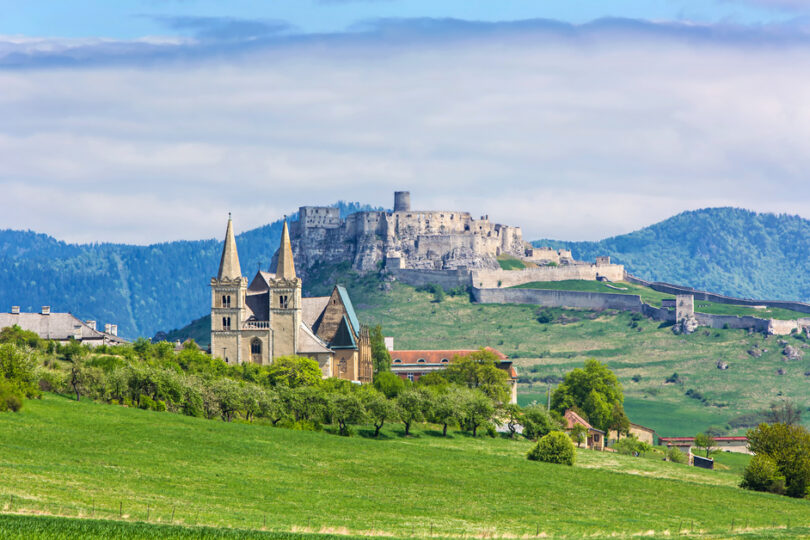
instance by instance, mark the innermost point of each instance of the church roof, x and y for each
(258, 305)
(344, 339)
(285, 266)
(229, 262)
(308, 342)
(261, 282)
(312, 308)
(347, 302)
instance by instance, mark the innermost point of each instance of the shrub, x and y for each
(545, 316)
(160, 406)
(537, 422)
(11, 398)
(636, 378)
(631, 446)
(675, 456)
(556, 447)
(762, 474)
(145, 402)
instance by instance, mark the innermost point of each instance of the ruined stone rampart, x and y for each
(670, 288)
(552, 298)
(447, 279)
(490, 279)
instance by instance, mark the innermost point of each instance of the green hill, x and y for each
(723, 250)
(92, 460)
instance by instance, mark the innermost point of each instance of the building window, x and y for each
(256, 346)
(421, 361)
(445, 361)
(410, 377)
(283, 301)
(226, 323)
(397, 360)
(226, 300)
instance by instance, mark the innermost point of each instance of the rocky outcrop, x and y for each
(792, 353)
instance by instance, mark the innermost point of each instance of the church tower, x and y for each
(228, 292)
(285, 300)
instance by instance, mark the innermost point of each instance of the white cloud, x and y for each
(570, 133)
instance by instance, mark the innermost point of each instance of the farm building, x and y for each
(596, 437)
(61, 327)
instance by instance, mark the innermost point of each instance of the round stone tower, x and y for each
(402, 201)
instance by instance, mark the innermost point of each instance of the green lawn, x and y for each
(85, 459)
(508, 262)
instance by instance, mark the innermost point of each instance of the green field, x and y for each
(60, 457)
(654, 298)
(508, 262)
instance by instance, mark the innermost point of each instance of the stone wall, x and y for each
(491, 279)
(447, 279)
(568, 299)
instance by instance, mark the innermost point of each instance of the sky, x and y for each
(144, 121)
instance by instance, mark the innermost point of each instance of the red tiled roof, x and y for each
(691, 439)
(436, 357)
(572, 418)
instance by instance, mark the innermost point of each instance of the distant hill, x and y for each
(143, 289)
(724, 250)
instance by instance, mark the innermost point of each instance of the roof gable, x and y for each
(347, 304)
(344, 338)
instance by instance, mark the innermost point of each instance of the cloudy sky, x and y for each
(149, 120)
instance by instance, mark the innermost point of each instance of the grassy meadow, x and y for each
(643, 353)
(83, 459)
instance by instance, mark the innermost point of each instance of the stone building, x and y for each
(269, 318)
(61, 327)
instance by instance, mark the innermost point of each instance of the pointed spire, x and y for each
(285, 267)
(229, 263)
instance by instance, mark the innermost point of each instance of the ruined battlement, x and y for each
(418, 239)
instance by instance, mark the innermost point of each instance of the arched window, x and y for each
(397, 360)
(226, 323)
(226, 300)
(421, 360)
(256, 346)
(445, 361)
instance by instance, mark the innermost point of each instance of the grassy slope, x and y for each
(74, 459)
(649, 351)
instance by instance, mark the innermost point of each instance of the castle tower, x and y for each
(402, 201)
(228, 292)
(285, 300)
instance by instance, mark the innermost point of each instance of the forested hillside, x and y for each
(143, 289)
(724, 250)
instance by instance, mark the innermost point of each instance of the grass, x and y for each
(654, 298)
(508, 262)
(60, 457)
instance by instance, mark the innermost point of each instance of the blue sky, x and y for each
(129, 19)
(146, 121)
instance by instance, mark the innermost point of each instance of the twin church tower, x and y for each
(270, 318)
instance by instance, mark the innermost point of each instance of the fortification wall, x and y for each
(568, 299)
(491, 279)
(670, 288)
(447, 279)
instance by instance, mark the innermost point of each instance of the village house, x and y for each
(411, 365)
(596, 437)
(727, 444)
(642, 433)
(61, 327)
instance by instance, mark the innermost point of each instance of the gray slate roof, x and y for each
(59, 326)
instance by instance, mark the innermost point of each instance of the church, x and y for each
(270, 318)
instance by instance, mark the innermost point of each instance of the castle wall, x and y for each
(487, 279)
(447, 279)
(551, 298)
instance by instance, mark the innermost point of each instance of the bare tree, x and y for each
(784, 412)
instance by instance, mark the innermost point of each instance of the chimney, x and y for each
(114, 329)
(389, 343)
(107, 328)
(91, 324)
(15, 310)
(46, 310)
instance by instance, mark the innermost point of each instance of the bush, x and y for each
(762, 474)
(146, 403)
(676, 456)
(537, 422)
(556, 447)
(631, 446)
(160, 406)
(545, 316)
(11, 398)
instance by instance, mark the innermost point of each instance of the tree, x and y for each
(346, 409)
(411, 407)
(19, 337)
(513, 416)
(762, 474)
(389, 384)
(619, 421)
(380, 356)
(230, 395)
(705, 442)
(593, 389)
(446, 407)
(305, 403)
(784, 412)
(537, 422)
(433, 379)
(555, 447)
(579, 434)
(272, 406)
(379, 408)
(479, 370)
(789, 447)
(476, 408)
(294, 371)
